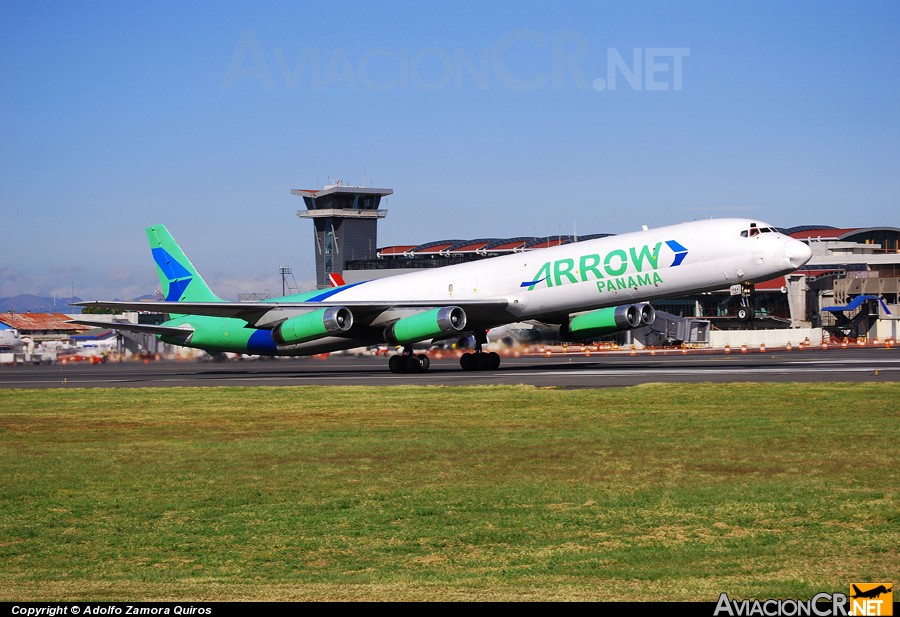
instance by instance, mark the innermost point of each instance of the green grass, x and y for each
(662, 492)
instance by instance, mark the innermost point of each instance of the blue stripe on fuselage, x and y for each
(330, 292)
(261, 342)
(532, 283)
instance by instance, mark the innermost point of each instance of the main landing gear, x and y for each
(409, 362)
(480, 360)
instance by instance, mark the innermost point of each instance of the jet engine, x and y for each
(607, 321)
(313, 325)
(447, 320)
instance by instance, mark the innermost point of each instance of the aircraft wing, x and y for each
(248, 311)
(263, 314)
(133, 327)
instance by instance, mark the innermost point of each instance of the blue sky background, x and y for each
(497, 120)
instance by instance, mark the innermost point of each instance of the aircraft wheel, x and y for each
(425, 361)
(743, 314)
(467, 361)
(413, 365)
(396, 364)
(487, 361)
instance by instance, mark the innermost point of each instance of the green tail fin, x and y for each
(179, 278)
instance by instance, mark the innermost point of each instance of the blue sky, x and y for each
(487, 119)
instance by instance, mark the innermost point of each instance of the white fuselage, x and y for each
(716, 256)
(554, 283)
(10, 340)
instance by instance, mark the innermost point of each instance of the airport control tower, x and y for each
(346, 225)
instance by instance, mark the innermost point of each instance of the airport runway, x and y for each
(600, 370)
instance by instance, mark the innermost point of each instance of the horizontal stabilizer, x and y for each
(135, 327)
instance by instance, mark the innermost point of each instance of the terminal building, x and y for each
(850, 287)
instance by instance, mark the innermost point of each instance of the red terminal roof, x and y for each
(471, 248)
(779, 281)
(775, 283)
(31, 322)
(437, 248)
(492, 246)
(548, 243)
(396, 250)
(822, 233)
(509, 246)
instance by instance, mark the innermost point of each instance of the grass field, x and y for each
(660, 492)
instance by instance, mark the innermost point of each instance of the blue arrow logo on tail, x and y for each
(177, 275)
(680, 252)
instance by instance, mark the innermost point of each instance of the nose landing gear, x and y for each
(745, 310)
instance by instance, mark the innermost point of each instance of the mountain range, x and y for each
(30, 303)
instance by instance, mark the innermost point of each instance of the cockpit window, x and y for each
(755, 231)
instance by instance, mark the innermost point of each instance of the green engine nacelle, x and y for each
(314, 325)
(436, 322)
(607, 321)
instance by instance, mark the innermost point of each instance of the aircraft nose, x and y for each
(797, 253)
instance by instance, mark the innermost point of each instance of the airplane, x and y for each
(9, 338)
(587, 289)
(871, 593)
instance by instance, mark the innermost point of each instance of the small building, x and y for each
(42, 327)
